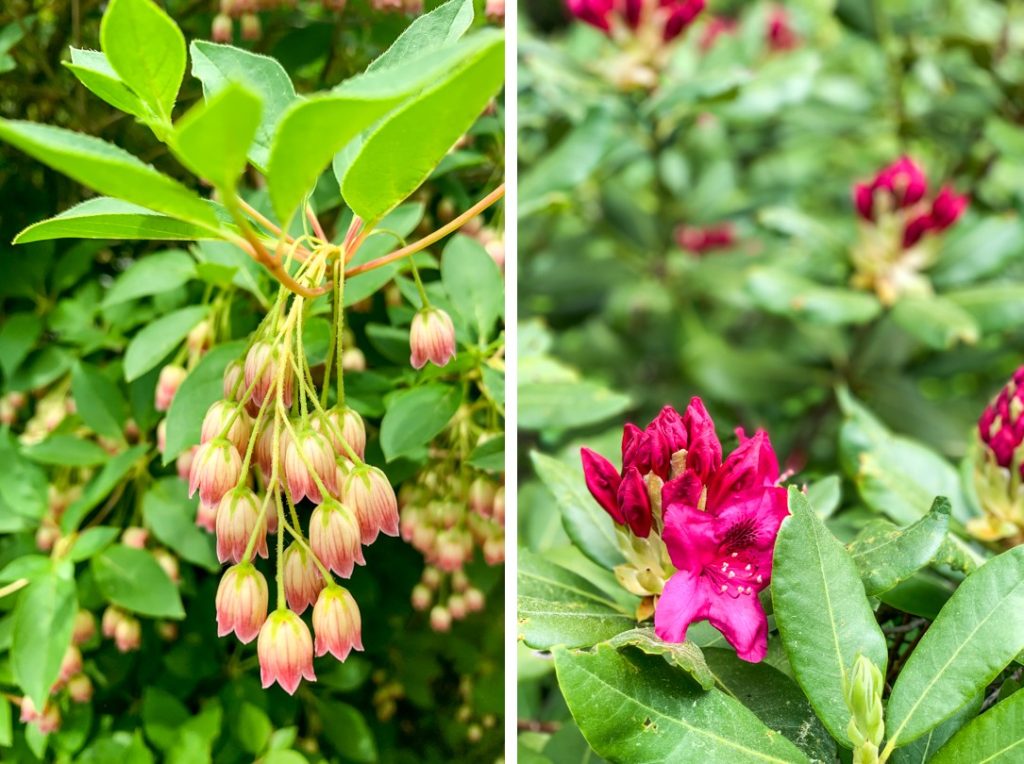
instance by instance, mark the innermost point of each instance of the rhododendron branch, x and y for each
(437, 235)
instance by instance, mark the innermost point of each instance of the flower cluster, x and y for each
(779, 34)
(697, 530)
(898, 221)
(999, 466)
(669, 17)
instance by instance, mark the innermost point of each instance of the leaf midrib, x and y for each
(558, 584)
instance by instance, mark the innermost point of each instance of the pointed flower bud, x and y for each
(285, 650)
(302, 579)
(215, 470)
(481, 496)
(135, 537)
(84, 628)
(318, 455)
(169, 563)
(80, 688)
(112, 616)
(334, 537)
(262, 365)
(167, 385)
(234, 385)
(70, 664)
(238, 517)
(421, 597)
(128, 634)
(336, 623)
(216, 425)
(242, 598)
(431, 338)
(368, 491)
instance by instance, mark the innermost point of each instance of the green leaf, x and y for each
(107, 169)
(170, 515)
(559, 607)
(43, 622)
(213, 139)
(923, 750)
(399, 154)
(153, 274)
(132, 579)
(885, 555)
(489, 455)
(591, 529)
(162, 717)
(473, 283)
(107, 218)
(92, 541)
(633, 707)
(253, 728)
(975, 636)
(822, 612)
(98, 401)
(432, 31)
(563, 405)
(66, 450)
(202, 387)
(995, 736)
(994, 307)
(402, 221)
(146, 48)
(825, 495)
(685, 655)
(156, 340)
(415, 416)
(348, 732)
(218, 66)
(93, 70)
(936, 321)
(18, 336)
(100, 486)
(784, 293)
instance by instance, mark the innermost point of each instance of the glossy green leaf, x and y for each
(18, 335)
(923, 750)
(150, 275)
(633, 707)
(213, 139)
(147, 50)
(400, 153)
(995, 736)
(93, 70)
(348, 732)
(415, 416)
(591, 529)
(975, 636)
(100, 486)
(936, 321)
(203, 386)
(132, 579)
(92, 541)
(98, 401)
(473, 284)
(107, 218)
(107, 169)
(67, 450)
(822, 612)
(825, 495)
(686, 655)
(559, 607)
(217, 66)
(885, 555)
(563, 405)
(155, 341)
(170, 515)
(781, 292)
(43, 623)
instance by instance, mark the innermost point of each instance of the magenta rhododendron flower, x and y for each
(700, 241)
(674, 15)
(780, 31)
(1001, 425)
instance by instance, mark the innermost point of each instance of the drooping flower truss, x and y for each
(999, 467)
(697, 531)
(899, 225)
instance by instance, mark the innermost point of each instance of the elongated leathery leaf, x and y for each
(887, 555)
(822, 612)
(633, 707)
(975, 636)
(685, 655)
(995, 736)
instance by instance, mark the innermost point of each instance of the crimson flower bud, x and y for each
(302, 579)
(84, 627)
(215, 470)
(216, 420)
(440, 619)
(318, 456)
(167, 385)
(128, 634)
(238, 518)
(135, 537)
(369, 493)
(421, 597)
(242, 598)
(336, 623)
(334, 537)
(431, 338)
(285, 650)
(206, 516)
(80, 688)
(262, 364)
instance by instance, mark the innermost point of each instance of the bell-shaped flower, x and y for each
(242, 598)
(285, 651)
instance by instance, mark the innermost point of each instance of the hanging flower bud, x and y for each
(481, 496)
(495, 11)
(460, 581)
(215, 470)
(336, 623)
(70, 664)
(494, 550)
(84, 628)
(167, 385)
(251, 27)
(47, 535)
(169, 564)
(431, 577)
(421, 597)
(334, 537)
(285, 650)
(135, 537)
(432, 338)
(128, 634)
(161, 436)
(343, 426)
(221, 31)
(238, 518)
(440, 619)
(474, 600)
(262, 365)
(302, 579)
(368, 491)
(234, 387)
(112, 616)
(263, 452)
(242, 598)
(80, 688)
(206, 516)
(29, 712)
(457, 607)
(319, 458)
(353, 359)
(184, 462)
(498, 511)
(227, 420)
